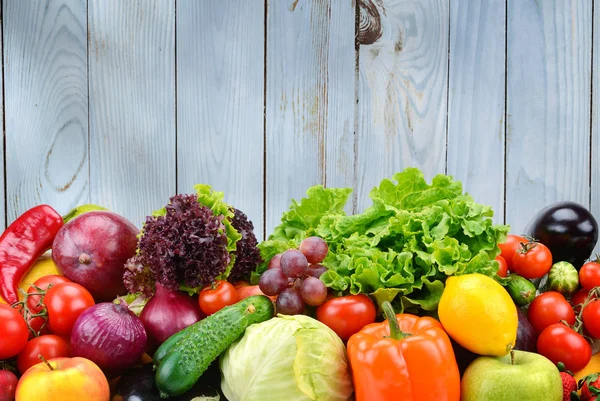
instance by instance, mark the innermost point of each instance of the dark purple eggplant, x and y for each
(568, 229)
(463, 356)
(526, 338)
(137, 384)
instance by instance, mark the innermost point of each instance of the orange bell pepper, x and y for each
(405, 358)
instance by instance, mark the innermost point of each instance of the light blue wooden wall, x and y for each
(125, 103)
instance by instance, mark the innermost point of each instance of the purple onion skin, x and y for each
(110, 335)
(526, 338)
(167, 313)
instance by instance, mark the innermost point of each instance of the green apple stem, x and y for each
(512, 357)
(390, 316)
(45, 361)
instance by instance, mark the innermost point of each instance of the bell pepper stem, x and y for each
(390, 316)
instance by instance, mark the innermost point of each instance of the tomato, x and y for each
(49, 346)
(240, 284)
(549, 308)
(560, 343)
(65, 302)
(33, 301)
(589, 275)
(508, 248)
(579, 298)
(532, 260)
(39, 325)
(347, 315)
(215, 297)
(591, 318)
(503, 270)
(13, 332)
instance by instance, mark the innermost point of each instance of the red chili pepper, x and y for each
(22, 243)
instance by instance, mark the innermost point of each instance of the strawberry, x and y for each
(590, 387)
(569, 385)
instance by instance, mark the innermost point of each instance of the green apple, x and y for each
(517, 376)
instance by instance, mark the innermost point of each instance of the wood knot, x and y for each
(369, 25)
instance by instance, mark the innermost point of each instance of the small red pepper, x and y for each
(22, 243)
(405, 358)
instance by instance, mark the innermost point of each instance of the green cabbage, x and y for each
(291, 358)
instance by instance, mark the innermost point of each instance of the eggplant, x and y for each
(138, 384)
(526, 338)
(568, 229)
(463, 356)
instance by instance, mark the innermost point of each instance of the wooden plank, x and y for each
(402, 89)
(303, 38)
(46, 98)
(595, 129)
(476, 100)
(220, 101)
(548, 106)
(342, 81)
(132, 105)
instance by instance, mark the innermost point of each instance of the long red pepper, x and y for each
(22, 243)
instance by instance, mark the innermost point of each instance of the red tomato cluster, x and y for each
(526, 258)
(60, 302)
(559, 323)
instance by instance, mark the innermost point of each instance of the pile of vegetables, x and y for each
(401, 248)
(402, 300)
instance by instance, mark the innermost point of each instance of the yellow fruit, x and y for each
(479, 314)
(592, 367)
(44, 266)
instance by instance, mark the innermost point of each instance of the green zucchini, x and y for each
(187, 357)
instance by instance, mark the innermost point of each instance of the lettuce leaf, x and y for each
(401, 248)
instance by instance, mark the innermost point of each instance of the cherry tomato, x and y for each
(239, 284)
(33, 301)
(49, 345)
(215, 297)
(589, 275)
(508, 248)
(591, 318)
(13, 332)
(579, 298)
(560, 343)
(347, 315)
(503, 270)
(39, 325)
(549, 308)
(65, 302)
(532, 260)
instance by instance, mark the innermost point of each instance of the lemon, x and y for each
(479, 314)
(44, 266)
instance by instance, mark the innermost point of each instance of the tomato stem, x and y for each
(390, 315)
(40, 356)
(591, 297)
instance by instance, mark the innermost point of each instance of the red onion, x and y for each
(167, 313)
(110, 335)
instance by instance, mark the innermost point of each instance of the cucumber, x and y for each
(521, 290)
(185, 358)
(166, 346)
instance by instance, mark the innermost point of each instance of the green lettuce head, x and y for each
(292, 358)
